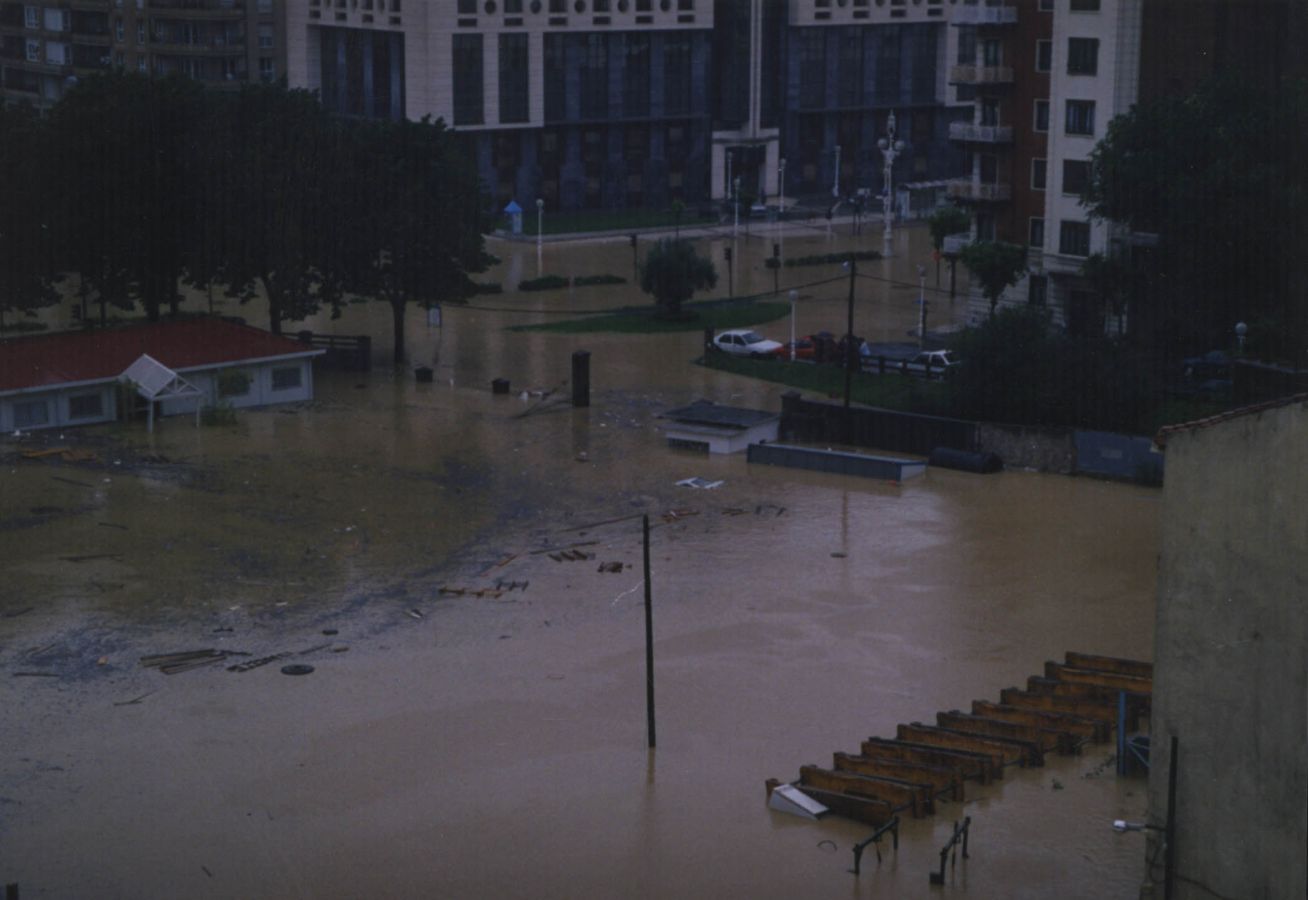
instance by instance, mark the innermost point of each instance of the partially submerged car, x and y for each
(743, 342)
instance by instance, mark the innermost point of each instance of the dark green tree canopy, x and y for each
(995, 265)
(945, 221)
(27, 264)
(673, 272)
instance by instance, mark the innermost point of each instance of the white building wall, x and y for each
(59, 407)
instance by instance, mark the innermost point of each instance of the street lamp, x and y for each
(890, 148)
(794, 296)
(1241, 330)
(921, 302)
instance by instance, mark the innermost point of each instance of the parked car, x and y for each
(931, 363)
(805, 349)
(936, 359)
(743, 342)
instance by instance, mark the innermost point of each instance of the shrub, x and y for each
(544, 283)
(487, 287)
(587, 280)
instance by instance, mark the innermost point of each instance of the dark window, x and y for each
(85, 406)
(556, 105)
(1042, 115)
(887, 67)
(635, 85)
(966, 45)
(467, 7)
(286, 379)
(1036, 232)
(1080, 117)
(1044, 56)
(1038, 174)
(992, 53)
(1082, 56)
(850, 86)
(989, 111)
(676, 73)
(812, 68)
(1076, 176)
(513, 77)
(469, 105)
(595, 78)
(31, 413)
(1037, 290)
(1074, 238)
(1085, 6)
(513, 7)
(1046, 5)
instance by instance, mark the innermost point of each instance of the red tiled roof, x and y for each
(1161, 438)
(74, 356)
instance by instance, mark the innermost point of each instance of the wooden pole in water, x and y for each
(649, 642)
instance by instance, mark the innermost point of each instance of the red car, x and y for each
(805, 349)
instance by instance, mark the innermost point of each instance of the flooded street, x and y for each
(494, 744)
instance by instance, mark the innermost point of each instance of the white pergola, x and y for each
(154, 381)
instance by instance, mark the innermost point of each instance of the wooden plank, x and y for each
(1101, 679)
(898, 794)
(1039, 738)
(1039, 718)
(938, 779)
(971, 765)
(1099, 693)
(861, 809)
(1074, 706)
(1002, 753)
(1137, 668)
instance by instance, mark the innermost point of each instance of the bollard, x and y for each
(500, 386)
(581, 378)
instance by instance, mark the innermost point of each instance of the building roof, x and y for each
(706, 412)
(71, 357)
(1160, 439)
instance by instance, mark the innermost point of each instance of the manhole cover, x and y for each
(297, 669)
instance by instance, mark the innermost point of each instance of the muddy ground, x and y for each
(475, 727)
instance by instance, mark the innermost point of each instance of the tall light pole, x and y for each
(794, 296)
(851, 352)
(735, 195)
(540, 218)
(728, 174)
(835, 181)
(781, 187)
(890, 148)
(922, 304)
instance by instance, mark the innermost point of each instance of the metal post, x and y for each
(1169, 851)
(781, 190)
(776, 268)
(581, 378)
(735, 195)
(635, 261)
(835, 182)
(731, 271)
(921, 299)
(649, 642)
(851, 353)
(794, 296)
(1121, 733)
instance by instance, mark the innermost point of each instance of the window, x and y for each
(31, 17)
(1042, 115)
(1044, 56)
(118, 29)
(234, 383)
(267, 69)
(55, 20)
(86, 406)
(56, 53)
(265, 37)
(1076, 176)
(469, 105)
(635, 80)
(31, 414)
(1085, 6)
(1046, 5)
(288, 378)
(513, 77)
(467, 7)
(676, 73)
(1082, 56)
(595, 77)
(966, 45)
(1038, 167)
(33, 50)
(1074, 238)
(1036, 232)
(1037, 289)
(989, 111)
(1080, 117)
(140, 32)
(992, 53)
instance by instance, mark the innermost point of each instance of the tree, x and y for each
(673, 272)
(996, 266)
(1218, 177)
(943, 222)
(418, 218)
(26, 243)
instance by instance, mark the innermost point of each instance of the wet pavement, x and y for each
(493, 744)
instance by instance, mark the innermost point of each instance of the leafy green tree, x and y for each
(673, 272)
(943, 222)
(418, 218)
(26, 243)
(996, 266)
(1218, 177)
(120, 143)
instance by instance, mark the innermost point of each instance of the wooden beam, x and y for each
(1098, 693)
(1074, 706)
(868, 810)
(937, 779)
(980, 766)
(899, 794)
(1039, 718)
(1112, 680)
(1002, 752)
(1134, 667)
(1038, 738)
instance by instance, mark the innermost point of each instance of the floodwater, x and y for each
(495, 745)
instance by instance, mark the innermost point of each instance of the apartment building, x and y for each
(46, 46)
(630, 103)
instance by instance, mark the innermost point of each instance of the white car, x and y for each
(743, 342)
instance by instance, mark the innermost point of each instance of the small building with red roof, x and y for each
(72, 377)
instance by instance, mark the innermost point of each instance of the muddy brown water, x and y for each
(495, 746)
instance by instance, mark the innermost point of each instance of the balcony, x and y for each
(954, 243)
(979, 191)
(984, 15)
(972, 74)
(980, 134)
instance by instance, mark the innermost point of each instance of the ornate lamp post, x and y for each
(890, 148)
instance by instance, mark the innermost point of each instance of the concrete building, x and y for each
(636, 103)
(72, 378)
(1231, 664)
(45, 46)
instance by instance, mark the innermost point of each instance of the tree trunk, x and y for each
(398, 307)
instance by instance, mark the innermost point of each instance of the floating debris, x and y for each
(701, 483)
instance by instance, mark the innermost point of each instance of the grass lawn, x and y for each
(890, 391)
(716, 314)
